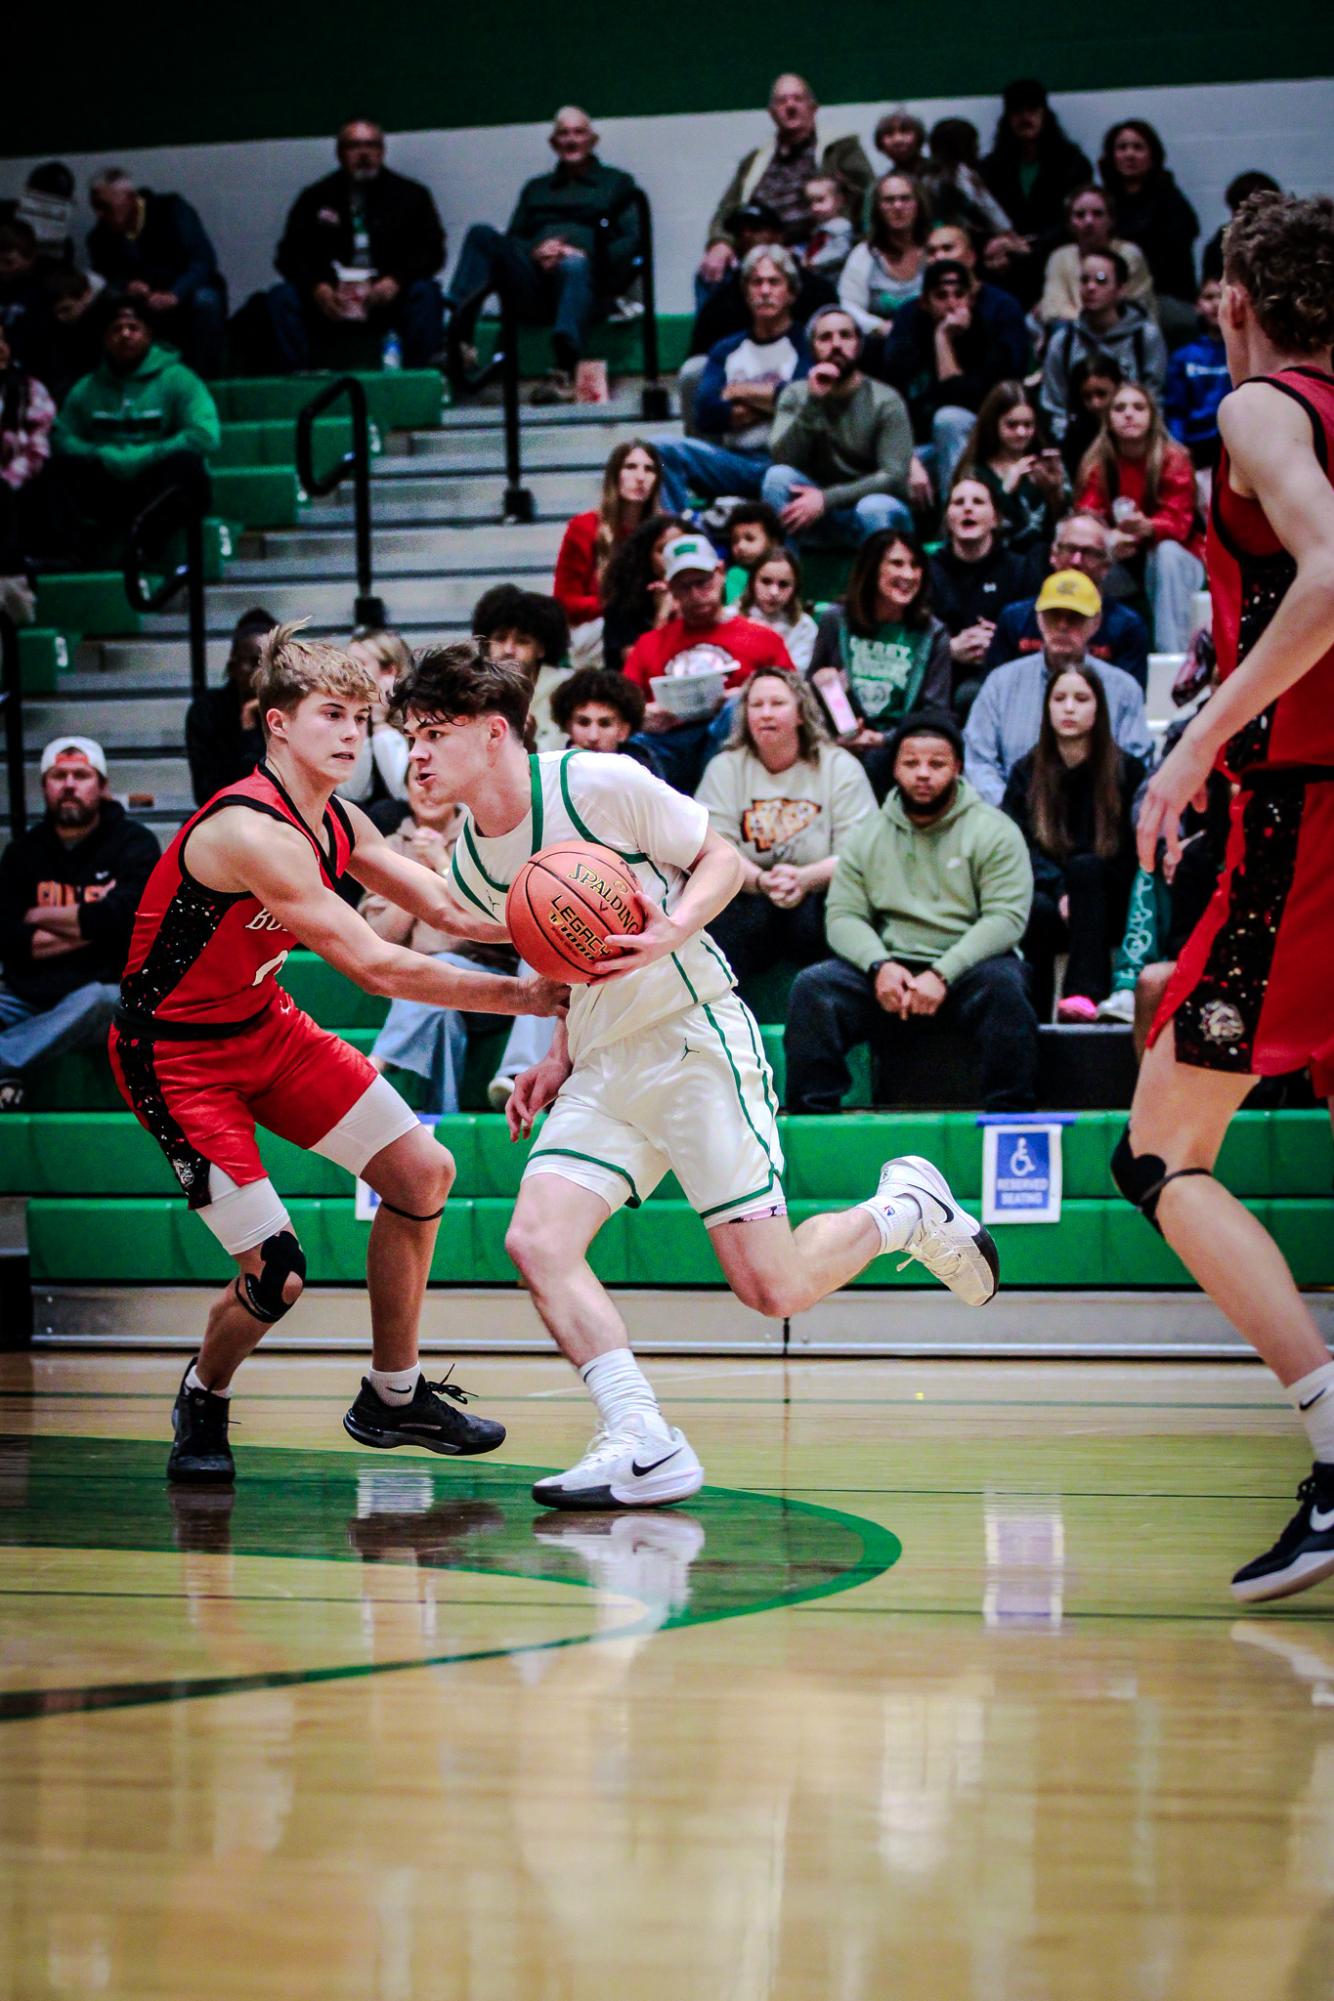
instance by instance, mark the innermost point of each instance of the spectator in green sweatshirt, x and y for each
(925, 912)
(141, 425)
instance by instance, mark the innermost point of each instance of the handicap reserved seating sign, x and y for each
(1021, 1167)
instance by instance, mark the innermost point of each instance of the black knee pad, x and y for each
(262, 1296)
(1142, 1177)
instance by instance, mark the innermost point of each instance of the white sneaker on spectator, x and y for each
(1119, 1006)
(499, 1091)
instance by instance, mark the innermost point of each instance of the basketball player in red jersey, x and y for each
(1253, 992)
(206, 1045)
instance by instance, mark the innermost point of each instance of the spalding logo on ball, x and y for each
(563, 903)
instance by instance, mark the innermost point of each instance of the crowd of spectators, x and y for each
(983, 385)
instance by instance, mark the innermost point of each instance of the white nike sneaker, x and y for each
(952, 1245)
(643, 1465)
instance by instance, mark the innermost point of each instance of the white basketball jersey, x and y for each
(581, 795)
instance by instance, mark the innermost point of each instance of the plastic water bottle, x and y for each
(391, 354)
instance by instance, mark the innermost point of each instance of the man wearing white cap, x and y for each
(69, 888)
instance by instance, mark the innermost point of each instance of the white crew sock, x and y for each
(896, 1218)
(193, 1381)
(620, 1389)
(1313, 1400)
(395, 1386)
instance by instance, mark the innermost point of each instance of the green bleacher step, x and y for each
(271, 441)
(45, 653)
(620, 345)
(86, 601)
(397, 399)
(152, 1241)
(263, 496)
(1268, 1156)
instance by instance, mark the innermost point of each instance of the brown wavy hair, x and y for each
(1103, 457)
(1046, 784)
(1280, 249)
(609, 507)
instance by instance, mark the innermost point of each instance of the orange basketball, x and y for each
(562, 904)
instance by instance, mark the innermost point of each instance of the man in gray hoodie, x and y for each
(925, 911)
(1109, 325)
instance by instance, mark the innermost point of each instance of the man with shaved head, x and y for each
(568, 252)
(360, 252)
(776, 175)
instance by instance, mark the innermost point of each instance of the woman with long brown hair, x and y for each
(631, 483)
(883, 273)
(1010, 452)
(1136, 477)
(882, 651)
(1072, 796)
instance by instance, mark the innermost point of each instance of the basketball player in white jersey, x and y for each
(660, 1066)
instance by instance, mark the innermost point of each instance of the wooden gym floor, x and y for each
(935, 1693)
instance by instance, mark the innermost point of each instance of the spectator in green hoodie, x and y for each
(140, 425)
(925, 912)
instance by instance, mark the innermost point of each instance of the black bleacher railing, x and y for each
(11, 703)
(369, 609)
(163, 517)
(655, 401)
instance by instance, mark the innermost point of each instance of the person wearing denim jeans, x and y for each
(841, 444)
(739, 389)
(570, 247)
(69, 888)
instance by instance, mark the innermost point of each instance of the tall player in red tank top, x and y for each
(1253, 991)
(206, 1045)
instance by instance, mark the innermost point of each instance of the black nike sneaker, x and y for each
(1303, 1554)
(428, 1421)
(201, 1454)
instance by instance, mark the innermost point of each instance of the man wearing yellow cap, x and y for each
(1004, 721)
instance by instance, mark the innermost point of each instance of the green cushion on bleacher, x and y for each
(44, 654)
(402, 399)
(257, 496)
(272, 442)
(86, 601)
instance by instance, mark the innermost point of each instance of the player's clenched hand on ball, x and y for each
(660, 937)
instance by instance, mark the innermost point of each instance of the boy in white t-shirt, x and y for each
(659, 1066)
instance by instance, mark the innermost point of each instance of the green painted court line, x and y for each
(1030, 1494)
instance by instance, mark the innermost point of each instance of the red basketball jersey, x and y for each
(1250, 573)
(207, 958)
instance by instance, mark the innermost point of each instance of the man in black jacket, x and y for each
(361, 249)
(69, 888)
(569, 250)
(154, 247)
(943, 355)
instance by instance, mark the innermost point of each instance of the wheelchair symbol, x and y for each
(1021, 1160)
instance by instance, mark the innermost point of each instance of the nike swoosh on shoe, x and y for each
(1322, 1521)
(640, 1471)
(1310, 1400)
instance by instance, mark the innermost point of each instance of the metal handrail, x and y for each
(369, 609)
(655, 401)
(190, 573)
(11, 702)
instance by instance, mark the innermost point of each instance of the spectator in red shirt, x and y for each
(702, 638)
(631, 480)
(1139, 479)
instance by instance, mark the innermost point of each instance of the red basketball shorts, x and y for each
(1253, 990)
